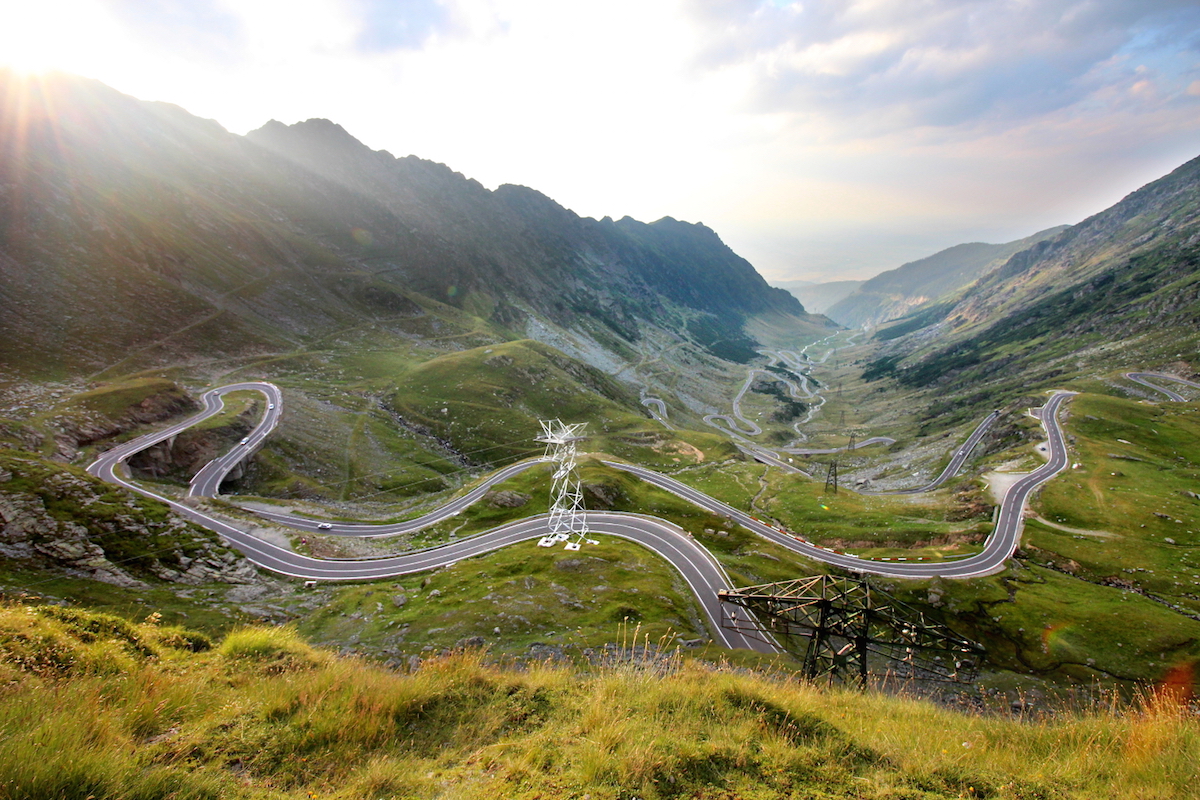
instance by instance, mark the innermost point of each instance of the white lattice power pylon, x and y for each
(568, 520)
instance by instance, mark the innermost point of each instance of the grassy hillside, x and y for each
(1129, 515)
(486, 401)
(97, 707)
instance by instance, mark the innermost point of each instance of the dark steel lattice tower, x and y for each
(831, 477)
(833, 625)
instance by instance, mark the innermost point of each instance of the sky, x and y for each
(822, 139)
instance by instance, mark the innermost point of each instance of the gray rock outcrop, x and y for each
(53, 518)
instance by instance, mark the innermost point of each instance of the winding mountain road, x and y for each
(998, 548)
(658, 410)
(695, 563)
(207, 482)
(1144, 378)
(106, 465)
(699, 568)
(956, 461)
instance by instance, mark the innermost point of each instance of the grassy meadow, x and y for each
(97, 707)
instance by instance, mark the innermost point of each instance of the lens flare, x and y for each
(1051, 634)
(1178, 684)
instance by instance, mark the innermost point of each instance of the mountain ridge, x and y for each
(409, 187)
(1122, 285)
(227, 248)
(894, 293)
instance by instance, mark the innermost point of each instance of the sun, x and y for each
(22, 43)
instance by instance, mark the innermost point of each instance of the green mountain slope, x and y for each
(1120, 289)
(894, 293)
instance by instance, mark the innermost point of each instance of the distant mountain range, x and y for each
(135, 234)
(892, 294)
(1120, 289)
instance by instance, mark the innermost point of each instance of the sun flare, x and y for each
(68, 36)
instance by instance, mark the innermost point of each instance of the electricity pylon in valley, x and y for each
(568, 519)
(833, 624)
(831, 478)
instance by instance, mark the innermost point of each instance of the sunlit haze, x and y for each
(822, 140)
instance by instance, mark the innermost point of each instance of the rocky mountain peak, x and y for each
(313, 132)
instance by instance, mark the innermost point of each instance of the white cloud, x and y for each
(876, 67)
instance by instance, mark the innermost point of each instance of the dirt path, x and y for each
(1082, 531)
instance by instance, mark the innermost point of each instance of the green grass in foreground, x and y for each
(95, 707)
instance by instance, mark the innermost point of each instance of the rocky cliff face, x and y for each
(182, 456)
(58, 518)
(86, 426)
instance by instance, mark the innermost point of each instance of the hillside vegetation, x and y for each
(97, 707)
(894, 293)
(1120, 289)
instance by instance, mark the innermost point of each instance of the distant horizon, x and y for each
(823, 141)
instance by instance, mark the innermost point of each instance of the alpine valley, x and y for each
(282, 418)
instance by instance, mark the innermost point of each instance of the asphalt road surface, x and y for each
(1144, 378)
(701, 570)
(956, 462)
